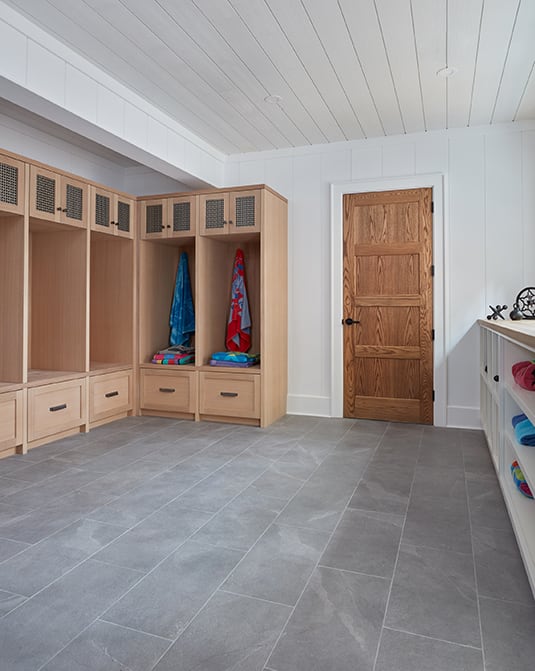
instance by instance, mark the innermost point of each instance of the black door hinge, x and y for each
(433, 395)
(432, 207)
(433, 270)
(432, 334)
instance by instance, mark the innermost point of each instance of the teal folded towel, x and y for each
(525, 433)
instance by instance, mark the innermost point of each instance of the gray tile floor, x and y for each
(314, 545)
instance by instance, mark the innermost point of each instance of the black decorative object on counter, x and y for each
(524, 306)
(497, 312)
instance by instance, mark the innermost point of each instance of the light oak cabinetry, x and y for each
(87, 276)
(253, 219)
(58, 197)
(112, 213)
(12, 182)
(231, 212)
(503, 345)
(171, 217)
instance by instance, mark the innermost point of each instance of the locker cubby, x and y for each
(216, 262)
(158, 263)
(12, 265)
(57, 314)
(111, 311)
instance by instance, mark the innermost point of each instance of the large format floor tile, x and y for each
(337, 624)
(315, 544)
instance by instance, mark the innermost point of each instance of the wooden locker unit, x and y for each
(168, 217)
(111, 212)
(85, 303)
(229, 213)
(58, 197)
(12, 185)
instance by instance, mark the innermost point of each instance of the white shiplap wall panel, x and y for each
(46, 73)
(365, 29)
(136, 125)
(300, 31)
(252, 172)
(396, 22)
(329, 23)
(308, 311)
(496, 27)
(430, 31)
(463, 35)
(399, 159)
(503, 247)
(431, 153)
(528, 207)
(367, 162)
(465, 271)
(157, 137)
(110, 111)
(279, 175)
(517, 69)
(270, 36)
(13, 53)
(81, 94)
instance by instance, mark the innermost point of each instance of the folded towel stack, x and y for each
(524, 430)
(176, 355)
(520, 480)
(234, 359)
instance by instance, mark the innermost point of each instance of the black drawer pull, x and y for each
(496, 378)
(229, 393)
(111, 393)
(55, 408)
(167, 390)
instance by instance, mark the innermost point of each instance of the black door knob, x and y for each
(350, 321)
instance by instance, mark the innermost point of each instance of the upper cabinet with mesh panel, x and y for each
(58, 198)
(111, 213)
(174, 217)
(232, 213)
(11, 185)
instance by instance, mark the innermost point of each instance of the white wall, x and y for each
(489, 240)
(39, 73)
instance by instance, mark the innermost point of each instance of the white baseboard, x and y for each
(461, 417)
(318, 406)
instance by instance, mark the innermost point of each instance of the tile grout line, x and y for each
(432, 638)
(218, 588)
(314, 569)
(379, 641)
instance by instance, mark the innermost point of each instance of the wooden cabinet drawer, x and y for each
(10, 419)
(55, 408)
(230, 395)
(173, 391)
(109, 395)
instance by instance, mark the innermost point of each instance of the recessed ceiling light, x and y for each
(273, 100)
(446, 72)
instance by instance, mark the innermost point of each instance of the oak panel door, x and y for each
(388, 306)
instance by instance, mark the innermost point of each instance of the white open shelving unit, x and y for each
(503, 345)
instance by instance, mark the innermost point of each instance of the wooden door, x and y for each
(101, 211)
(214, 214)
(245, 211)
(388, 294)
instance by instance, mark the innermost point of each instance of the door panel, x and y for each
(388, 353)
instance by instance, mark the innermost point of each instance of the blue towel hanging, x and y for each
(182, 317)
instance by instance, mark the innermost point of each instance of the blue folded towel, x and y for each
(525, 433)
(518, 418)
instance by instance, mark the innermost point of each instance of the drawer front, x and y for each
(55, 408)
(174, 392)
(109, 395)
(10, 419)
(230, 395)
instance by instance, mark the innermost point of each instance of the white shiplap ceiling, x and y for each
(345, 69)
